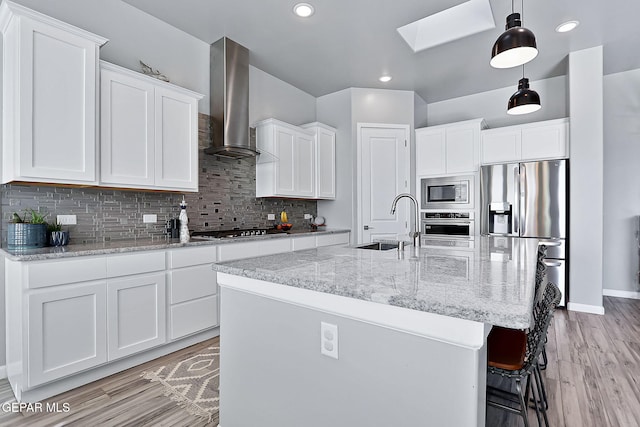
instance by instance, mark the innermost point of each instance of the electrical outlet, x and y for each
(149, 218)
(329, 339)
(308, 216)
(66, 219)
(271, 217)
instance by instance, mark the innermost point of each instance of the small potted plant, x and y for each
(28, 231)
(57, 237)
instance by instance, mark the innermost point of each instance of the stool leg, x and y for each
(545, 401)
(542, 396)
(523, 405)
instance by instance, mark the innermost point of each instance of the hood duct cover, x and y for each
(230, 101)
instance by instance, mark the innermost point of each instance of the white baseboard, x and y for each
(584, 308)
(621, 294)
(3, 372)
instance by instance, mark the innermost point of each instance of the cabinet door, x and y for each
(547, 141)
(285, 140)
(136, 314)
(430, 152)
(176, 133)
(126, 130)
(461, 150)
(57, 131)
(67, 331)
(501, 145)
(193, 299)
(305, 166)
(326, 164)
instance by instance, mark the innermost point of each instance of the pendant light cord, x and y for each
(512, 8)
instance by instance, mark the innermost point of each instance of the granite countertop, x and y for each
(123, 246)
(491, 283)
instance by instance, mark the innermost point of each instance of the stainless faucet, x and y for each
(416, 234)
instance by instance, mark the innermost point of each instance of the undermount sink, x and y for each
(379, 246)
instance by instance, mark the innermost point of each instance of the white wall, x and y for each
(586, 180)
(335, 110)
(270, 97)
(134, 35)
(621, 180)
(492, 105)
(344, 110)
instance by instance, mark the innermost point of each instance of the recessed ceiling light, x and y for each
(567, 26)
(385, 79)
(303, 10)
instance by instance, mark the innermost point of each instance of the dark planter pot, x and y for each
(26, 236)
(58, 238)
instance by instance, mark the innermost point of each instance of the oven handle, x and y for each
(446, 223)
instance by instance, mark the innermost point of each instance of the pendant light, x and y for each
(516, 46)
(525, 100)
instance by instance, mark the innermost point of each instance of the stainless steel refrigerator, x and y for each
(529, 199)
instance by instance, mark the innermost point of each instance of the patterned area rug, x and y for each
(193, 383)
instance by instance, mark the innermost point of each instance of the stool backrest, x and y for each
(543, 313)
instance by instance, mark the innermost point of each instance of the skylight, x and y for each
(463, 20)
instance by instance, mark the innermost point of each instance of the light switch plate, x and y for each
(66, 219)
(149, 218)
(271, 217)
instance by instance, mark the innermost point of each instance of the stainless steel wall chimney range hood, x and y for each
(230, 101)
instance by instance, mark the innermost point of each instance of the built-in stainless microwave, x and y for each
(452, 192)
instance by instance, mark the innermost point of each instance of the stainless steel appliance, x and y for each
(229, 81)
(448, 225)
(529, 199)
(223, 234)
(452, 192)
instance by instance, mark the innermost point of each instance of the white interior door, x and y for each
(383, 173)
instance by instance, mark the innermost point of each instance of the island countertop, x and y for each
(491, 283)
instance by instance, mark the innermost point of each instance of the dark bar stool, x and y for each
(514, 354)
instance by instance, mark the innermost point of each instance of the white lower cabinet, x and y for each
(66, 330)
(136, 313)
(193, 291)
(193, 300)
(71, 316)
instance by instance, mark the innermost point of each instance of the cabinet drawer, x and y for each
(135, 263)
(193, 316)
(190, 283)
(57, 272)
(192, 256)
(252, 249)
(333, 239)
(301, 243)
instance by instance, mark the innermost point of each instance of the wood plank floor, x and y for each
(123, 399)
(593, 379)
(593, 376)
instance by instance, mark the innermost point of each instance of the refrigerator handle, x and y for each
(516, 200)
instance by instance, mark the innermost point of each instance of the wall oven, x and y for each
(452, 192)
(448, 225)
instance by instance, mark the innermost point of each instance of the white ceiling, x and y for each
(350, 43)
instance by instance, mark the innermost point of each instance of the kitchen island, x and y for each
(404, 333)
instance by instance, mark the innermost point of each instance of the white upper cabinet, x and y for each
(49, 98)
(325, 145)
(149, 132)
(532, 141)
(450, 149)
(127, 114)
(295, 161)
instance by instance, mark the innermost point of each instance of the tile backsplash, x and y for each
(226, 199)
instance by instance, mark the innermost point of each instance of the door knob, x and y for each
(366, 227)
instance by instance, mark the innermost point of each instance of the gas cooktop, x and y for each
(222, 234)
